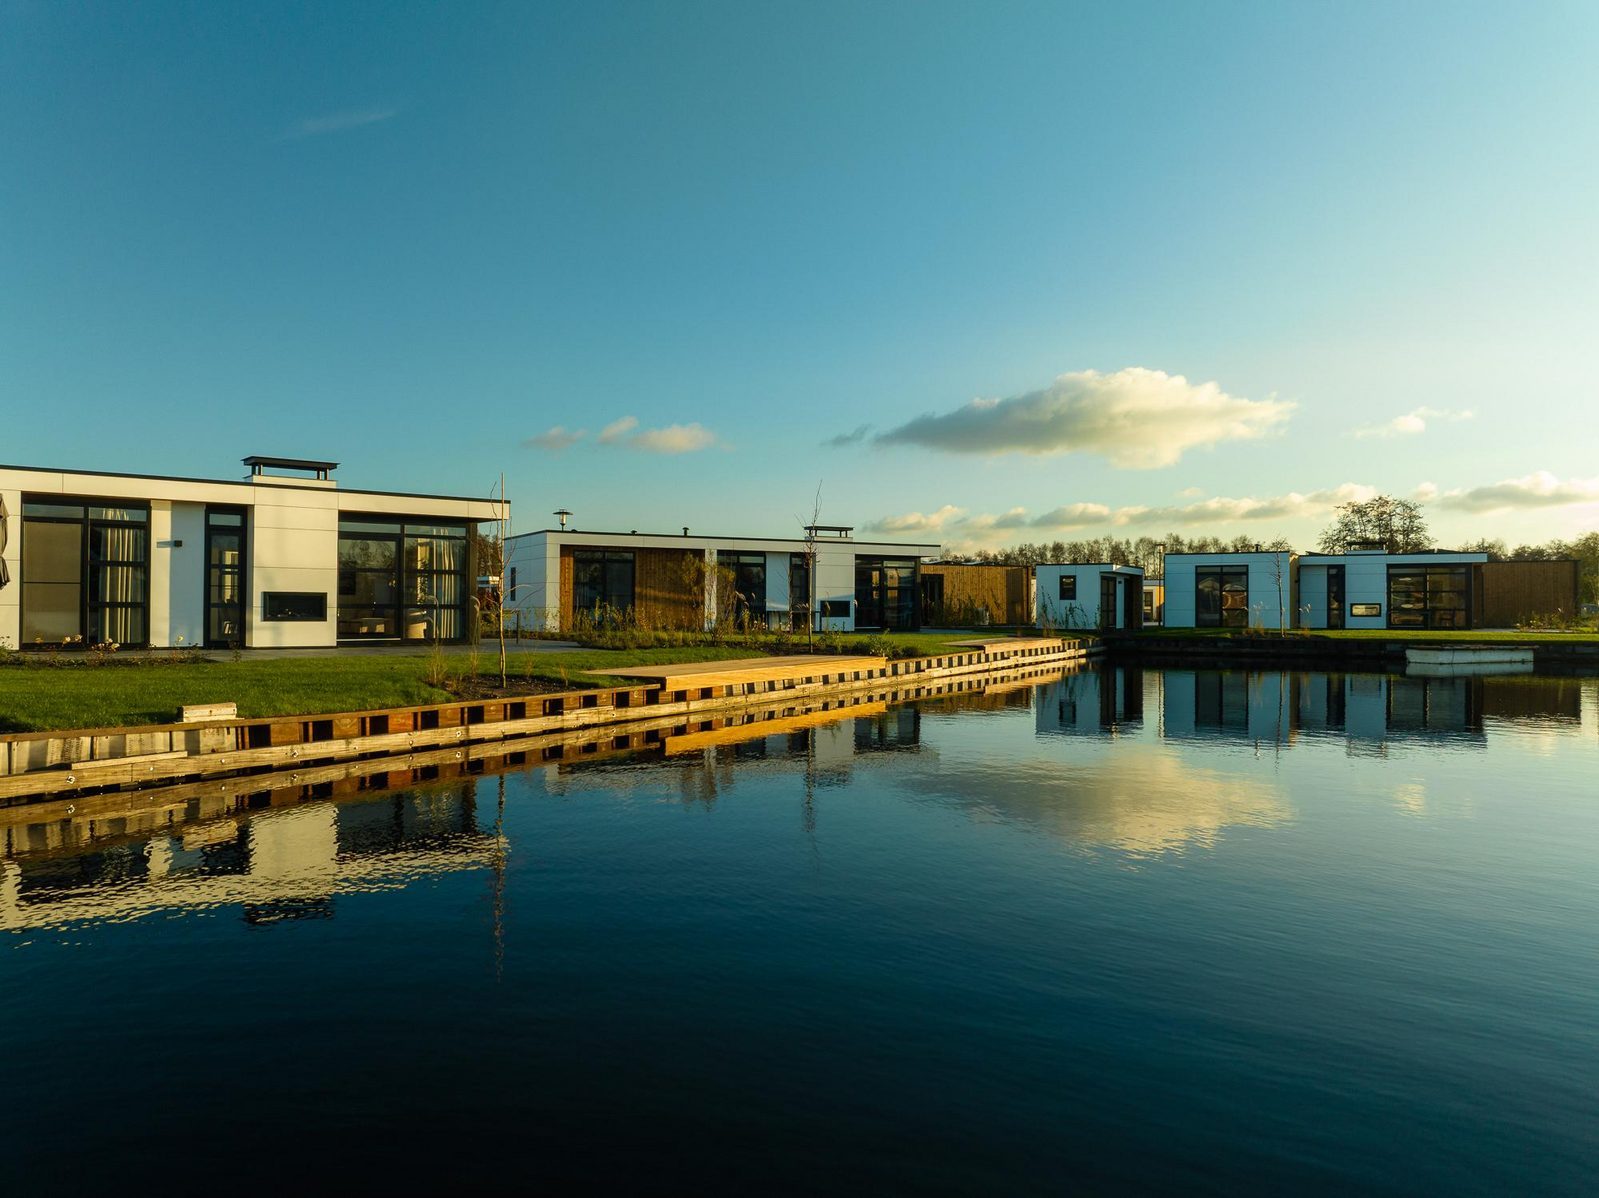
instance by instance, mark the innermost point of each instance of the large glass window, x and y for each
(799, 590)
(1221, 598)
(1429, 596)
(85, 573)
(436, 581)
(749, 584)
(402, 580)
(1335, 596)
(885, 592)
(602, 584)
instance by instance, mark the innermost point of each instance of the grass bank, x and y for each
(40, 693)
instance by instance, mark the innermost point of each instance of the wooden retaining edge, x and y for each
(65, 824)
(54, 762)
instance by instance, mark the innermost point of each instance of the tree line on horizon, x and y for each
(1396, 525)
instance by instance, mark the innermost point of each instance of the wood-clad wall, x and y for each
(1510, 592)
(668, 587)
(1002, 591)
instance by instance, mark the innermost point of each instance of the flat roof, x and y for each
(288, 484)
(712, 536)
(1089, 566)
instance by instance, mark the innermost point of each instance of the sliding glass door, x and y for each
(85, 573)
(402, 580)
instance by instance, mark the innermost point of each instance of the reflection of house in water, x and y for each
(1367, 710)
(1105, 699)
(281, 863)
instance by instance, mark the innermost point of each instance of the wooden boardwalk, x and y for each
(84, 760)
(995, 643)
(743, 671)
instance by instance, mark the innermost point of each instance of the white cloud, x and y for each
(1222, 509)
(337, 122)
(555, 439)
(617, 429)
(1539, 489)
(1411, 423)
(1135, 418)
(674, 438)
(1015, 518)
(1208, 513)
(1072, 515)
(917, 521)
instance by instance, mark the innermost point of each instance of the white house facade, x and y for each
(1094, 595)
(1377, 589)
(283, 558)
(555, 577)
(1230, 590)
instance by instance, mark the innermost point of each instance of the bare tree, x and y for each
(502, 529)
(810, 568)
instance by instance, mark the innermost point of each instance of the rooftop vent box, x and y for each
(300, 472)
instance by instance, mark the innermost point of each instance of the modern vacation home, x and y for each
(1230, 590)
(558, 578)
(1363, 588)
(283, 558)
(1096, 595)
(1372, 588)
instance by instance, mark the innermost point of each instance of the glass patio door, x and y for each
(224, 578)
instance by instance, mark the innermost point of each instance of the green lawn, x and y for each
(36, 694)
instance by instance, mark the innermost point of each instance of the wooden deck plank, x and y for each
(991, 644)
(741, 670)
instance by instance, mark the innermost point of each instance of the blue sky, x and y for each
(1206, 268)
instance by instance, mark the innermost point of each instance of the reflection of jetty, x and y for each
(66, 823)
(90, 760)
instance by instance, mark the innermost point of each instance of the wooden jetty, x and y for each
(34, 764)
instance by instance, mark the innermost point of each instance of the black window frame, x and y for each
(218, 524)
(1405, 613)
(750, 585)
(885, 604)
(1218, 618)
(295, 606)
(606, 602)
(80, 510)
(1068, 588)
(799, 590)
(1336, 611)
(415, 602)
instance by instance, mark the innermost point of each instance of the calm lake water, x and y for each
(1184, 930)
